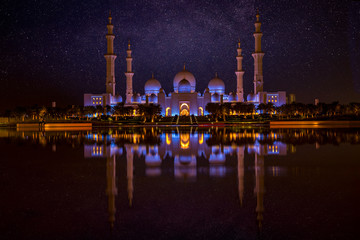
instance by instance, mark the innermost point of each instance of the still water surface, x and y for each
(180, 183)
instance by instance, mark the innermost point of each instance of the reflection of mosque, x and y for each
(185, 148)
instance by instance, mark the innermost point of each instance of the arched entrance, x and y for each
(201, 111)
(168, 111)
(184, 109)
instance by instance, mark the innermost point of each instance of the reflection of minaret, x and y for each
(130, 173)
(110, 59)
(239, 75)
(259, 187)
(258, 57)
(241, 173)
(129, 75)
(111, 189)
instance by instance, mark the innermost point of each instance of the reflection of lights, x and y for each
(185, 141)
(97, 151)
(201, 139)
(168, 140)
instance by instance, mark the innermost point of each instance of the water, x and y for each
(180, 183)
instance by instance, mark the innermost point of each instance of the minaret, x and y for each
(111, 190)
(258, 56)
(259, 188)
(239, 75)
(129, 75)
(130, 173)
(110, 59)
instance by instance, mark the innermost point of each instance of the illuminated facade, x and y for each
(184, 100)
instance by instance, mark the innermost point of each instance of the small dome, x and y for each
(216, 85)
(153, 98)
(184, 86)
(117, 99)
(252, 97)
(232, 97)
(215, 97)
(136, 98)
(152, 86)
(184, 74)
(206, 90)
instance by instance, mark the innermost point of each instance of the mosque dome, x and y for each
(216, 85)
(251, 97)
(152, 86)
(215, 97)
(136, 98)
(153, 98)
(117, 99)
(232, 97)
(184, 86)
(184, 74)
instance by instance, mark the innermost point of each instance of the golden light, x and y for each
(185, 141)
(168, 140)
(201, 139)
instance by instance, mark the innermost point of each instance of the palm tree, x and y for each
(262, 108)
(99, 110)
(214, 109)
(89, 111)
(150, 110)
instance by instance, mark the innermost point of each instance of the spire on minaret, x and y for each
(110, 59)
(184, 67)
(258, 57)
(152, 75)
(239, 75)
(216, 74)
(129, 74)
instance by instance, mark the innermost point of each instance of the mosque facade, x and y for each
(185, 100)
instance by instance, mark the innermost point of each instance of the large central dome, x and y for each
(184, 74)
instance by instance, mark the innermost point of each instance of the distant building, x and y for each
(185, 100)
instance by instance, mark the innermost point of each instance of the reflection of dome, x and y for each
(153, 98)
(152, 86)
(184, 74)
(184, 86)
(216, 85)
(252, 97)
(232, 97)
(215, 98)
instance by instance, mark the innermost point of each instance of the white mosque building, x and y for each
(185, 100)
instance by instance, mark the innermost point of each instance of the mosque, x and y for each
(185, 100)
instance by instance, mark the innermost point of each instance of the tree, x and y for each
(214, 109)
(149, 111)
(89, 111)
(99, 110)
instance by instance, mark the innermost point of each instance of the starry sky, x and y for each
(54, 50)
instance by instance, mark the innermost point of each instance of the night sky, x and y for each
(54, 50)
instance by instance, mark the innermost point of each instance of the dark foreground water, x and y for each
(180, 183)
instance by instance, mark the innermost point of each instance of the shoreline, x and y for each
(88, 125)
